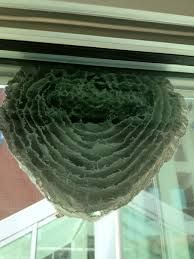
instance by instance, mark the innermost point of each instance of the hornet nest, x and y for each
(91, 138)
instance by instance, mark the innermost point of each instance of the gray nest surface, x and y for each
(91, 138)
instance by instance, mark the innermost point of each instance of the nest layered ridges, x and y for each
(91, 138)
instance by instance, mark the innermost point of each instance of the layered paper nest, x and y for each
(91, 138)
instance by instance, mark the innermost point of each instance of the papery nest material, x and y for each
(91, 138)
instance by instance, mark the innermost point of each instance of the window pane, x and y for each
(159, 222)
(18, 249)
(141, 232)
(67, 238)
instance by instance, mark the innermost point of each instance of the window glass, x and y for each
(18, 249)
(66, 238)
(159, 222)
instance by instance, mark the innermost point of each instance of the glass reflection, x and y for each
(159, 222)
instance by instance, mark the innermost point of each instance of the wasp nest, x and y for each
(91, 138)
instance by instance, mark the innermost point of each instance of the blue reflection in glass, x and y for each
(1, 138)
